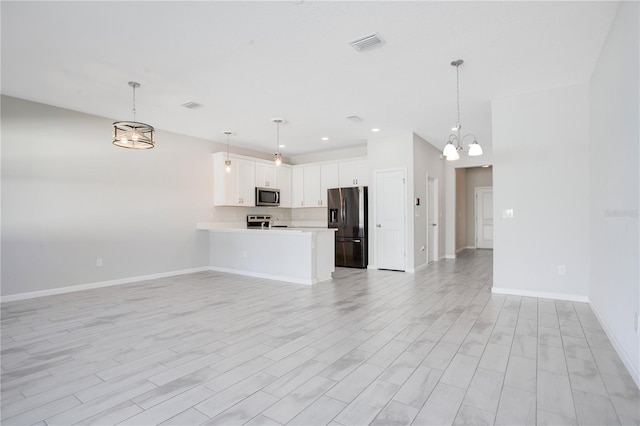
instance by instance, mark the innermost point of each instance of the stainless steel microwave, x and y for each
(267, 197)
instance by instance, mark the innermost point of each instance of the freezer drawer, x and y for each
(351, 253)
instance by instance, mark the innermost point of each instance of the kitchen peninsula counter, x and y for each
(298, 255)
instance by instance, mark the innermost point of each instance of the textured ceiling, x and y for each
(248, 62)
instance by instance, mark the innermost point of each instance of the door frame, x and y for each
(436, 231)
(476, 215)
(372, 225)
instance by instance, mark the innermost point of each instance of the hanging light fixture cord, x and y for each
(134, 100)
(458, 93)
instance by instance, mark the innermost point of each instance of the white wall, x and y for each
(543, 131)
(69, 197)
(426, 163)
(613, 182)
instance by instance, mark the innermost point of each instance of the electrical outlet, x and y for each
(99, 262)
(562, 270)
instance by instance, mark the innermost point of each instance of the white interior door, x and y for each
(484, 217)
(390, 219)
(432, 219)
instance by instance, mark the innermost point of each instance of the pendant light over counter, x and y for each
(227, 161)
(277, 157)
(454, 145)
(132, 134)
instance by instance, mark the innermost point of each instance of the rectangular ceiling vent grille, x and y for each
(354, 119)
(366, 42)
(192, 105)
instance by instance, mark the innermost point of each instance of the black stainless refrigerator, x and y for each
(348, 214)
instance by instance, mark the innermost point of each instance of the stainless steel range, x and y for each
(263, 221)
(259, 221)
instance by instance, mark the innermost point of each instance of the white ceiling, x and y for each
(248, 62)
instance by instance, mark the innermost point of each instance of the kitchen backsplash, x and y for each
(237, 216)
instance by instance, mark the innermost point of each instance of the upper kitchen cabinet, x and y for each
(236, 187)
(328, 179)
(266, 175)
(354, 173)
(311, 185)
(297, 187)
(284, 185)
(317, 179)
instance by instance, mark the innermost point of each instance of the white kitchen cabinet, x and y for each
(297, 187)
(354, 173)
(317, 179)
(284, 185)
(266, 175)
(236, 187)
(311, 184)
(328, 179)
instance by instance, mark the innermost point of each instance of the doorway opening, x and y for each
(467, 214)
(433, 221)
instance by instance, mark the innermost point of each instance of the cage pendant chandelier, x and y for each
(454, 144)
(132, 134)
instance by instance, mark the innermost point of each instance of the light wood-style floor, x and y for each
(370, 347)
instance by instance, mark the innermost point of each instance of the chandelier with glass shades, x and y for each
(454, 145)
(132, 134)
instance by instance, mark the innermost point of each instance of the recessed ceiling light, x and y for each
(375, 130)
(281, 146)
(325, 138)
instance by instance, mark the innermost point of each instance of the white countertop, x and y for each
(215, 227)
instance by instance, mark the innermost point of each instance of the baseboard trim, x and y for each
(626, 360)
(449, 256)
(540, 294)
(418, 268)
(265, 276)
(100, 284)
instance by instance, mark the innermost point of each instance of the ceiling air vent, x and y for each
(354, 119)
(192, 105)
(366, 42)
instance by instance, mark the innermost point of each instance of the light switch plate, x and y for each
(507, 214)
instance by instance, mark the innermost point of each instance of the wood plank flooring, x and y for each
(369, 347)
